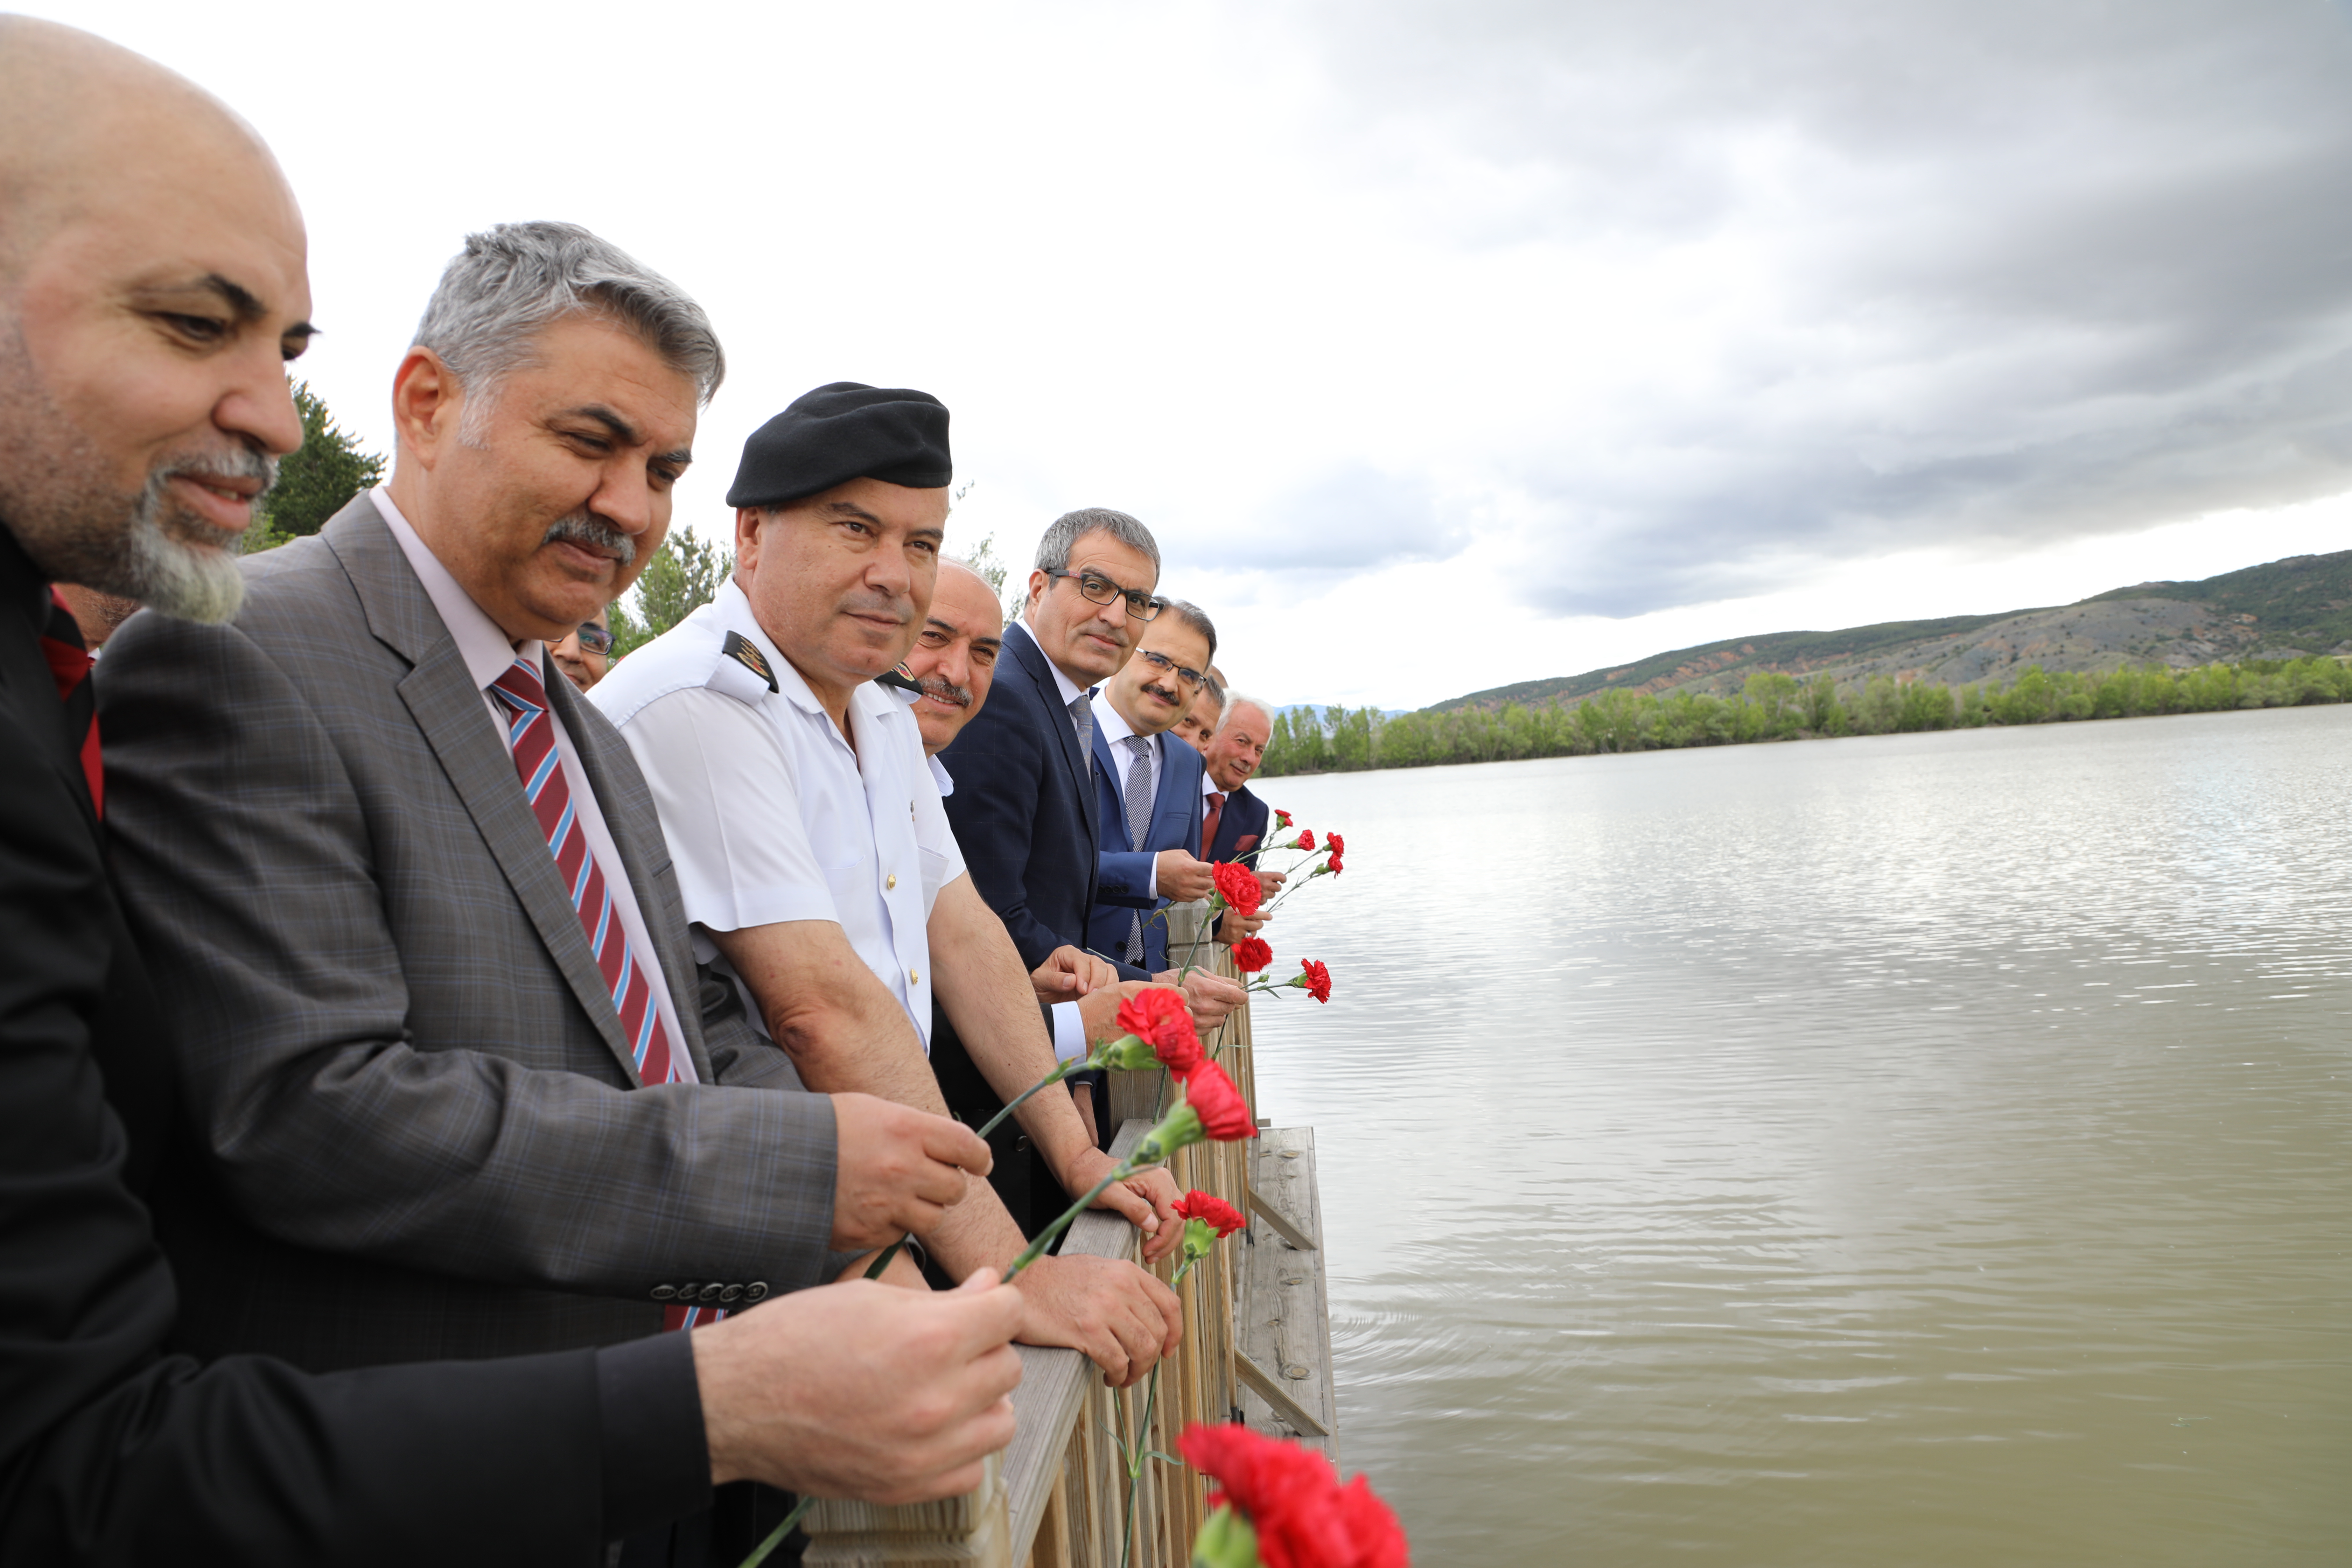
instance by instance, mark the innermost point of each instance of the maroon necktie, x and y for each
(69, 664)
(540, 767)
(1209, 823)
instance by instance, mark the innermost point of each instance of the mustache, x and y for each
(584, 527)
(946, 690)
(240, 462)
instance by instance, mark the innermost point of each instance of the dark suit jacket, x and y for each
(112, 1452)
(414, 1127)
(1244, 817)
(1124, 878)
(1024, 806)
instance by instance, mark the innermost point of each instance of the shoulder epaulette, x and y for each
(741, 670)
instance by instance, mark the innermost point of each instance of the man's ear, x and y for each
(1038, 584)
(747, 544)
(426, 405)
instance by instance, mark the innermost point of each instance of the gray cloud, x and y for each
(2039, 269)
(1351, 518)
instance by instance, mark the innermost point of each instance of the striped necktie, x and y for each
(531, 731)
(1139, 824)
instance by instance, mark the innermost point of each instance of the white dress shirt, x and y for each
(1115, 731)
(488, 651)
(770, 816)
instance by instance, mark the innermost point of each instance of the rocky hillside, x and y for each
(2283, 609)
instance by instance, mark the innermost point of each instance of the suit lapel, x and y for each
(449, 711)
(1032, 659)
(1108, 798)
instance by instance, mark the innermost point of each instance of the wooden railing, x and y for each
(1060, 1496)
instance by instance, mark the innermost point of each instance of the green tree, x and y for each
(682, 575)
(316, 480)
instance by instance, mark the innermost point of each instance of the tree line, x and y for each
(1776, 707)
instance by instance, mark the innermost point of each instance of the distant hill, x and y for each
(2282, 609)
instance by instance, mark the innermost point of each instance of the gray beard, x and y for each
(78, 528)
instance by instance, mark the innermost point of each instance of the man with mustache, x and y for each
(813, 856)
(152, 285)
(1148, 788)
(449, 1087)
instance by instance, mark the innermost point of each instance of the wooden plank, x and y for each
(1285, 1316)
(1254, 1377)
(1284, 1225)
(1054, 1384)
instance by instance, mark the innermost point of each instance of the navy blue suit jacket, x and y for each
(1124, 876)
(1243, 816)
(1024, 806)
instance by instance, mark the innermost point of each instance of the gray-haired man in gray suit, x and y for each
(444, 1066)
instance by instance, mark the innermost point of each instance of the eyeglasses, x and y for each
(1160, 661)
(1098, 589)
(593, 639)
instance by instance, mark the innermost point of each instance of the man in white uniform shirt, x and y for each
(813, 859)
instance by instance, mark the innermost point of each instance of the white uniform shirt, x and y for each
(488, 651)
(770, 815)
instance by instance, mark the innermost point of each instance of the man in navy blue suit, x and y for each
(1024, 808)
(1148, 789)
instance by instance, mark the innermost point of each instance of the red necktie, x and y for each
(1209, 823)
(540, 767)
(69, 664)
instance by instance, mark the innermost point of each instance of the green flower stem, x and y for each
(1036, 1249)
(776, 1536)
(1060, 1072)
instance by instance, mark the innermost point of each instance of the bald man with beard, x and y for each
(153, 283)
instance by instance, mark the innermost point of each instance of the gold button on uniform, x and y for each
(915, 975)
(890, 882)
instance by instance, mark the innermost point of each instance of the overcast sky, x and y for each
(1440, 345)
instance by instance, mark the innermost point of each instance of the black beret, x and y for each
(841, 432)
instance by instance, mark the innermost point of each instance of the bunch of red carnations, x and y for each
(1281, 1505)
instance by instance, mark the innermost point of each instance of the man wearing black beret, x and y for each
(812, 854)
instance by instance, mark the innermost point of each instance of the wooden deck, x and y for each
(1256, 1347)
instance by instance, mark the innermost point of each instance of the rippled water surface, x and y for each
(1912, 1150)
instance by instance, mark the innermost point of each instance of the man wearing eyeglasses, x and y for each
(586, 654)
(1024, 810)
(1148, 788)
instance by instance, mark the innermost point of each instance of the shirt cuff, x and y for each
(1152, 883)
(1069, 1032)
(656, 1460)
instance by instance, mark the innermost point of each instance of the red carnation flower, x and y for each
(1158, 1018)
(1318, 978)
(1213, 1211)
(1307, 838)
(1303, 1516)
(1281, 817)
(1237, 885)
(1251, 955)
(1224, 1114)
(1338, 847)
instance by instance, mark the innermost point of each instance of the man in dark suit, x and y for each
(1236, 818)
(152, 287)
(1148, 789)
(1024, 808)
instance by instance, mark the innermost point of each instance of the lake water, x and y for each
(1912, 1150)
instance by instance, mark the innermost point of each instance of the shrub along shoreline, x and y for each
(1775, 707)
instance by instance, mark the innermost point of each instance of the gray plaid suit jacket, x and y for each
(413, 1130)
